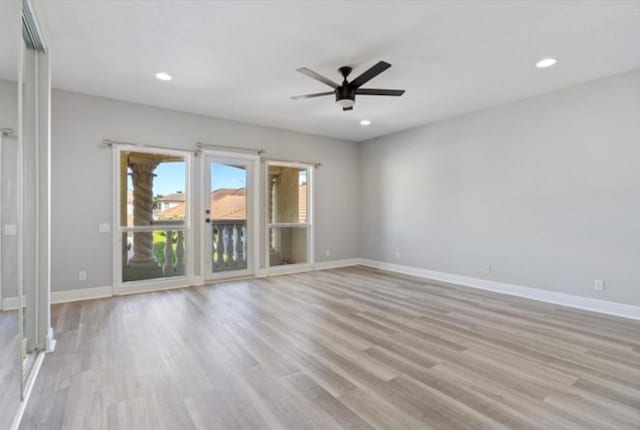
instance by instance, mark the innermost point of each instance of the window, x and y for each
(153, 210)
(289, 217)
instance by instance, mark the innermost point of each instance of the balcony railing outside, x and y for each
(173, 252)
(167, 239)
(229, 250)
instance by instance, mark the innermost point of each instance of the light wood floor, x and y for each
(350, 348)
(9, 368)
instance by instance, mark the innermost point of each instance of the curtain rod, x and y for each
(110, 143)
(310, 163)
(201, 146)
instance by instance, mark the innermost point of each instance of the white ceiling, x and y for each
(238, 60)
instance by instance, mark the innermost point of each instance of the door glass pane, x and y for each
(153, 210)
(288, 200)
(228, 214)
(287, 245)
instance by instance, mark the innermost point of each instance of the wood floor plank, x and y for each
(10, 370)
(351, 348)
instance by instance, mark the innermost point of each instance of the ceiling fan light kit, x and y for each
(346, 92)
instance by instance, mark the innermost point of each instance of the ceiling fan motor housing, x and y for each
(343, 92)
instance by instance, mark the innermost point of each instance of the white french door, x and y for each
(228, 205)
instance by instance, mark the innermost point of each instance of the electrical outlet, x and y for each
(598, 285)
(327, 252)
(10, 229)
(82, 275)
(488, 270)
(104, 227)
(397, 255)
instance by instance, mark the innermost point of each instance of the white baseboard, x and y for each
(286, 269)
(81, 294)
(159, 285)
(336, 264)
(144, 287)
(585, 303)
(108, 291)
(10, 303)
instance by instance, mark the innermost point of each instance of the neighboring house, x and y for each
(170, 201)
(169, 207)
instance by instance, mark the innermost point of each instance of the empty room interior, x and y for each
(319, 215)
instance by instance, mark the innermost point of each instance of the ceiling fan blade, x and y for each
(374, 71)
(347, 108)
(317, 76)
(378, 92)
(310, 96)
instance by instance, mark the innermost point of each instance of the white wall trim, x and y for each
(286, 269)
(585, 303)
(81, 294)
(336, 264)
(159, 285)
(108, 291)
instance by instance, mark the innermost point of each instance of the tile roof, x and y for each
(231, 204)
(175, 197)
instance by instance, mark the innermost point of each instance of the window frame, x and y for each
(128, 287)
(309, 225)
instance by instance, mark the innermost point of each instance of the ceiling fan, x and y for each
(346, 92)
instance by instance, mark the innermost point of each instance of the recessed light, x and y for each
(164, 76)
(365, 122)
(546, 62)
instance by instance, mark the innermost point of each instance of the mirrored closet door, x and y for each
(10, 309)
(33, 195)
(25, 332)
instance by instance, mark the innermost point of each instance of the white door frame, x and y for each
(252, 161)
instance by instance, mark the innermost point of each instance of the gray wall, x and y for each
(82, 176)
(546, 191)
